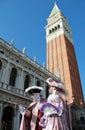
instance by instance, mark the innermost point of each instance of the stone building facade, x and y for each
(17, 72)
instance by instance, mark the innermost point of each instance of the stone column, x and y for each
(16, 122)
(5, 75)
(17, 79)
(21, 83)
(34, 81)
(20, 80)
(1, 73)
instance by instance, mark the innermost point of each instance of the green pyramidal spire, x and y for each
(54, 10)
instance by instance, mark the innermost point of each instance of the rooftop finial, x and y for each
(12, 43)
(43, 64)
(54, 3)
(24, 51)
(35, 58)
(55, 10)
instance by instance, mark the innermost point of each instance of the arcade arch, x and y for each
(7, 118)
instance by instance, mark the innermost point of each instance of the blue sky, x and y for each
(24, 22)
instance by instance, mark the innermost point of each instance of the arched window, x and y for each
(52, 29)
(38, 83)
(49, 31)
(26, 81)
(1, 52)
(55, 28)
(58, 26)
(13, 76)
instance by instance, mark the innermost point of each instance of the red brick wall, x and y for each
(61, 55)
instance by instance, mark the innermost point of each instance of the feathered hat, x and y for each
(59, 86)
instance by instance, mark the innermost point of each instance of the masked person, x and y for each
(54, 108)
(32, 113)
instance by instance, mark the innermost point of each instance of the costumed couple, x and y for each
(47, 115)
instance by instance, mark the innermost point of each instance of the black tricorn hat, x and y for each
(33, 89)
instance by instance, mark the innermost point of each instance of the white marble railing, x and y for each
(13, 90)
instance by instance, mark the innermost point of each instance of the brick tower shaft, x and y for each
(61, 58)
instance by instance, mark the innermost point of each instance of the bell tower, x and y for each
(61, 54)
